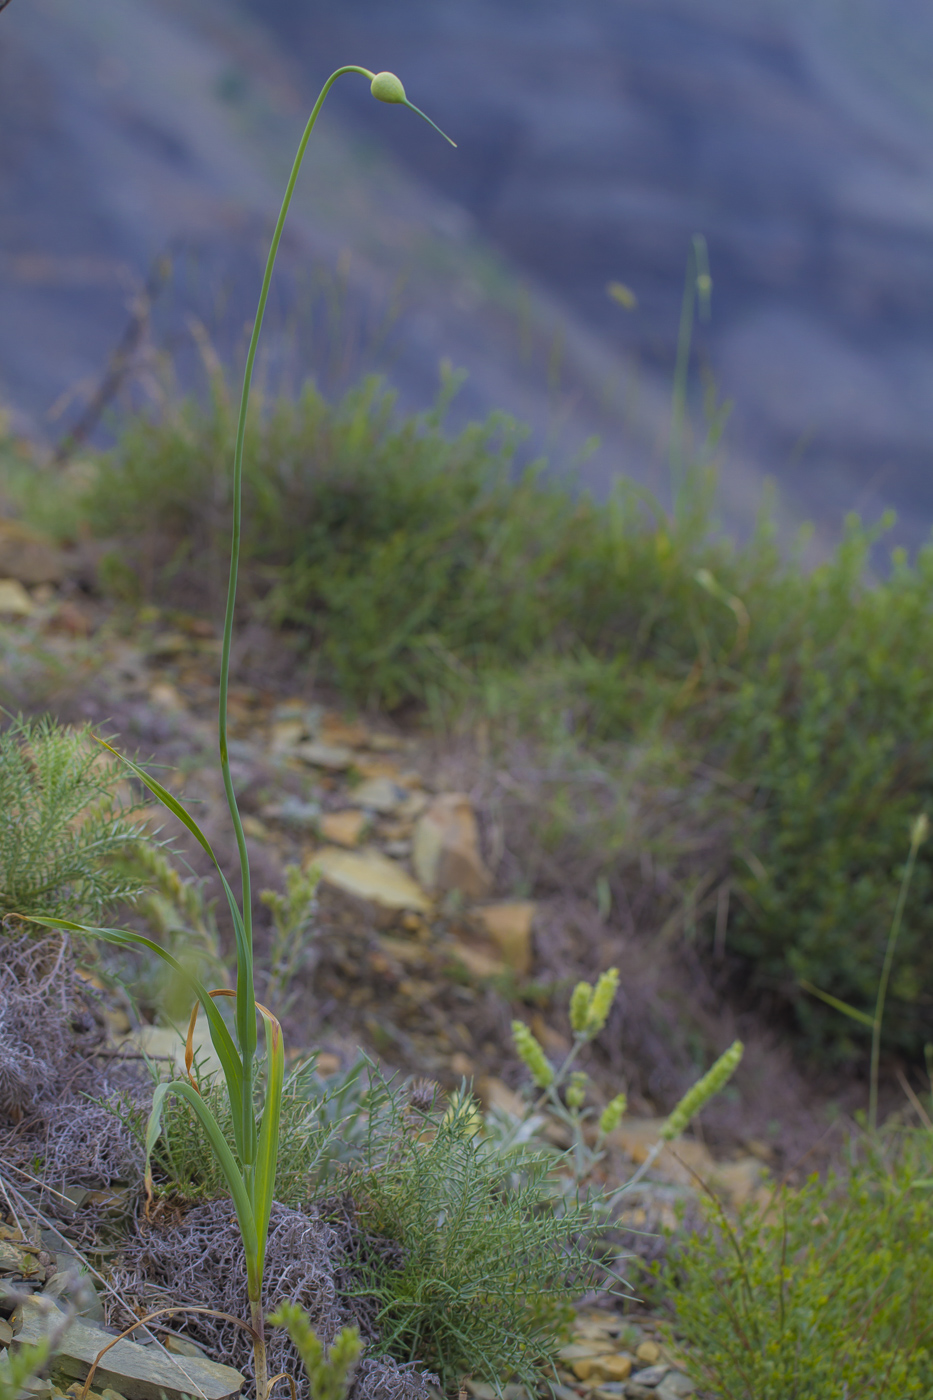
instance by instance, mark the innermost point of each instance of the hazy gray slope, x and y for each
(598, 135)
(132, 127)
(595, 137)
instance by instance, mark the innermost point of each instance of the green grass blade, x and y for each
(228, 1164)
(861, 1016)
(267, 1155)
(222, 1040)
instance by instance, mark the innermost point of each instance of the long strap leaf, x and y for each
(228, 1164)
(246, 1020)
(244, 1125)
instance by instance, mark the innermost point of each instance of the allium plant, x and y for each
(249, 1162)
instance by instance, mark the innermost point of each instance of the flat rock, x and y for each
(509, 926)
(343, 828)
(372, 876)
(335, 757)
(14, 600)
(446, 853)
(291, 811)
(675, 1386)
(651, 1375)
(134, 1371)
(27, 556)
(380, 795)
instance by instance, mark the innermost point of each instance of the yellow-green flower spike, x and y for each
(704, 1089)
(386, 87)
(611, 1116)
(601, 1001)
(576, 1089)
(532, 1055)
(580, 1006)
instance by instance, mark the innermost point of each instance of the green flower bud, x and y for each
(580, 1006)
(702, 1092)
(601, 1001)
(387, 88)
(532, 1055)
(611, 1115)
(576, 1089)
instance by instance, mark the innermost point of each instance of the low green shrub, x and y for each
(827, 1295)
(425, 568)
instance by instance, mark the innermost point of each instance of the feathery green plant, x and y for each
(249, 1165)
(67, 841)
(489, 1257)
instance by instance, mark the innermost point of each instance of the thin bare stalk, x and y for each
(918, 834)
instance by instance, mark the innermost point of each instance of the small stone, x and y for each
(334, 757)
(14, 600)
(675, 1386)
(413, 806)
(69, 618)
(27, 556)
(370, 875)
(509, 926)
(285, 734)
(651, 1375)
(615, 1367)
(475, 960)
(377, 767)
(386, 743)
(343, 828)
(446, 852)
(494, 1094)
(584, 1368)
(649, 1352)
(6, 1333)
(166, 697)
(12, 1260)
(379, 795)
(338, 731)
(253, 827)
(181, 1346)
(291, 811)
(169, 644)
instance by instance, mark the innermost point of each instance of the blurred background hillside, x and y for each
(145, 139)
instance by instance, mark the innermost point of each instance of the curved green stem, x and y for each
(246, 1024)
